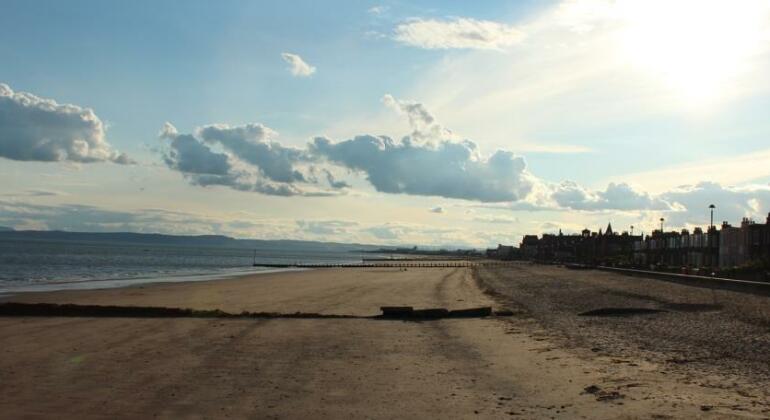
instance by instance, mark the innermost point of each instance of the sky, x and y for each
(433, 123)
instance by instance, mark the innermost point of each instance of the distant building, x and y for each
(678, 249)
(588, 247)
(607, 247)
(732, 251)
(529, 246)
(702, 248)
(759, 241)
(745, 248)
(503, 252)
(749, 243)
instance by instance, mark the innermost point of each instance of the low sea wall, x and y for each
(747, 286)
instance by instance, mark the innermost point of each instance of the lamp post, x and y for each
(712, 249)
(632, 230)
(661, 225)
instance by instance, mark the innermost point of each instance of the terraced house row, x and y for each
(715, 249)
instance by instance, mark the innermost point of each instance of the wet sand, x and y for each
(328, 368)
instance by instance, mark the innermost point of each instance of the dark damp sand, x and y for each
(325, 368)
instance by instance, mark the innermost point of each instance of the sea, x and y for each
(40, 265)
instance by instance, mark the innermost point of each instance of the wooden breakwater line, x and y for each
(405, 313)
(392, 264)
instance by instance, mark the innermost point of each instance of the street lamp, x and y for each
(661, 225)
(632, 230)
(712, 207)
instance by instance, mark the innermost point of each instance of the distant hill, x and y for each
(178, 240)
(5, 229)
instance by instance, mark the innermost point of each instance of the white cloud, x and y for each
(461, 33)
(496, 220)
(620, 196)
(729, 170)
(423, 123)
(85, 218)
(404, 233)
(431, 161)
(247, 159)
(253, 144)
(445, 169)
(35, 193)
(241, 158)
(336, 228)
(188, 155)
(684, 206)
(332, 180)
(377, 10)
(732, 203)
(573, 80)
(39, 129)
(297, 66)
(555, 148)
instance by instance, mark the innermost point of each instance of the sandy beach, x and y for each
(520, 366)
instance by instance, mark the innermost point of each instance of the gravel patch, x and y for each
(721, 331)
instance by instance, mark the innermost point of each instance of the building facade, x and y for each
(744, 247)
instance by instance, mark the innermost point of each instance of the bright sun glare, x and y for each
(695, 47)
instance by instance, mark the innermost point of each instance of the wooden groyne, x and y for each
(406, 313)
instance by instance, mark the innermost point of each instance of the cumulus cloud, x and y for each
(619, 196)
(333, 182)
(457, 33)
(683, 206)
(239, 157)
(39, 129)
(570, 195)
(428, 162)
(446, 169)
(297, 66)
(732, 203)
(251, 143)
(423, 123)
(188, 155)
(425, 163)
(247, 158)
